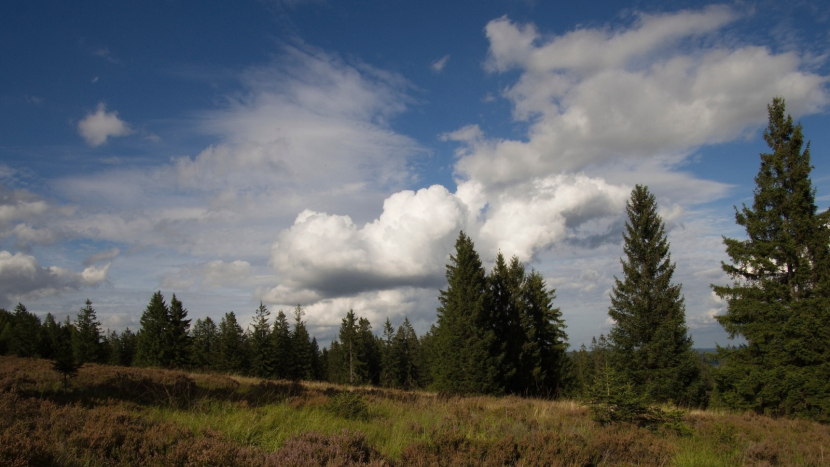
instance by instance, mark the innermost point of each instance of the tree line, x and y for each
(499, 333)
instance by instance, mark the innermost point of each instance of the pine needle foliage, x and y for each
(779, 301)
(650, 342)
(86, 340)
(464, 336)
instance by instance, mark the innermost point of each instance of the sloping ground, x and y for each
(126, 416)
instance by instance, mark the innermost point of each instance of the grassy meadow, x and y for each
(126, 416)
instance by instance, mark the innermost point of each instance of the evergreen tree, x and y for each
(281, 338)
(370, 349)
(23, 332)
(337, 364)
(129, 347)
(153, 348)
(301, 351)
(86, 340)
(64, 362)
(779, 302)
(389, 360)
(464, 337)
(178, 337)
(353, 356)
(318, 371)
(231, 346)
(205, 338)
(262, 344)
(406, 357)
(5, 331)
(49, 336)
(505, 307)
(545, 367)
(651, 345)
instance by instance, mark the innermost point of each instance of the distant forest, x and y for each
(499, 333)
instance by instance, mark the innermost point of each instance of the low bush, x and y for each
(349, 405)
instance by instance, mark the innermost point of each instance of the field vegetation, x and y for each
(110, 415)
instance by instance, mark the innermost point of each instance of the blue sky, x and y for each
(327, 153)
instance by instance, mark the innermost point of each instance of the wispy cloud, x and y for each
(438, 65)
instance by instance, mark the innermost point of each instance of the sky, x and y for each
(327, 153)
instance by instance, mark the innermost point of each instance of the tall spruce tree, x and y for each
(651, 346)
(302, 358)
(505, 307)
(178, 335)
(545, 366)
(779, 302)
(262, 344)
(353, 358)
(389, 361)
(153, 348)
(23, 332)
(464, 337)
(205, 338)
(86, 340)
(231, 355)
(406, 356)
(281, 337)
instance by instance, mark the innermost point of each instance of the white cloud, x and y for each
(21, 277)
(595, 96)
(96, 127)
(438, 65)
(309, 119)
(407, 245)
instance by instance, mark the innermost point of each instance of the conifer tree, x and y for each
(406, 356)
(281, 338)
(153, 348)
(353, 356)
(545, 367)
(370, 350)
(64, 362)
(5, 330)
(205, 338)
(23, 332)
(49, 335)
(318, 370)
(505, 315)
(651, 346)
(389, 360)
(464, 337)
(301, 352)
(779, 302)
(86, 340)
(231, 345)
(178, 337)
(128, 345)
(262, 344)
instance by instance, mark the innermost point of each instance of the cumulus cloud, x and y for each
(97, 126)
(21, 276)
(325, 255)
(594, 96)
(438, 65)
